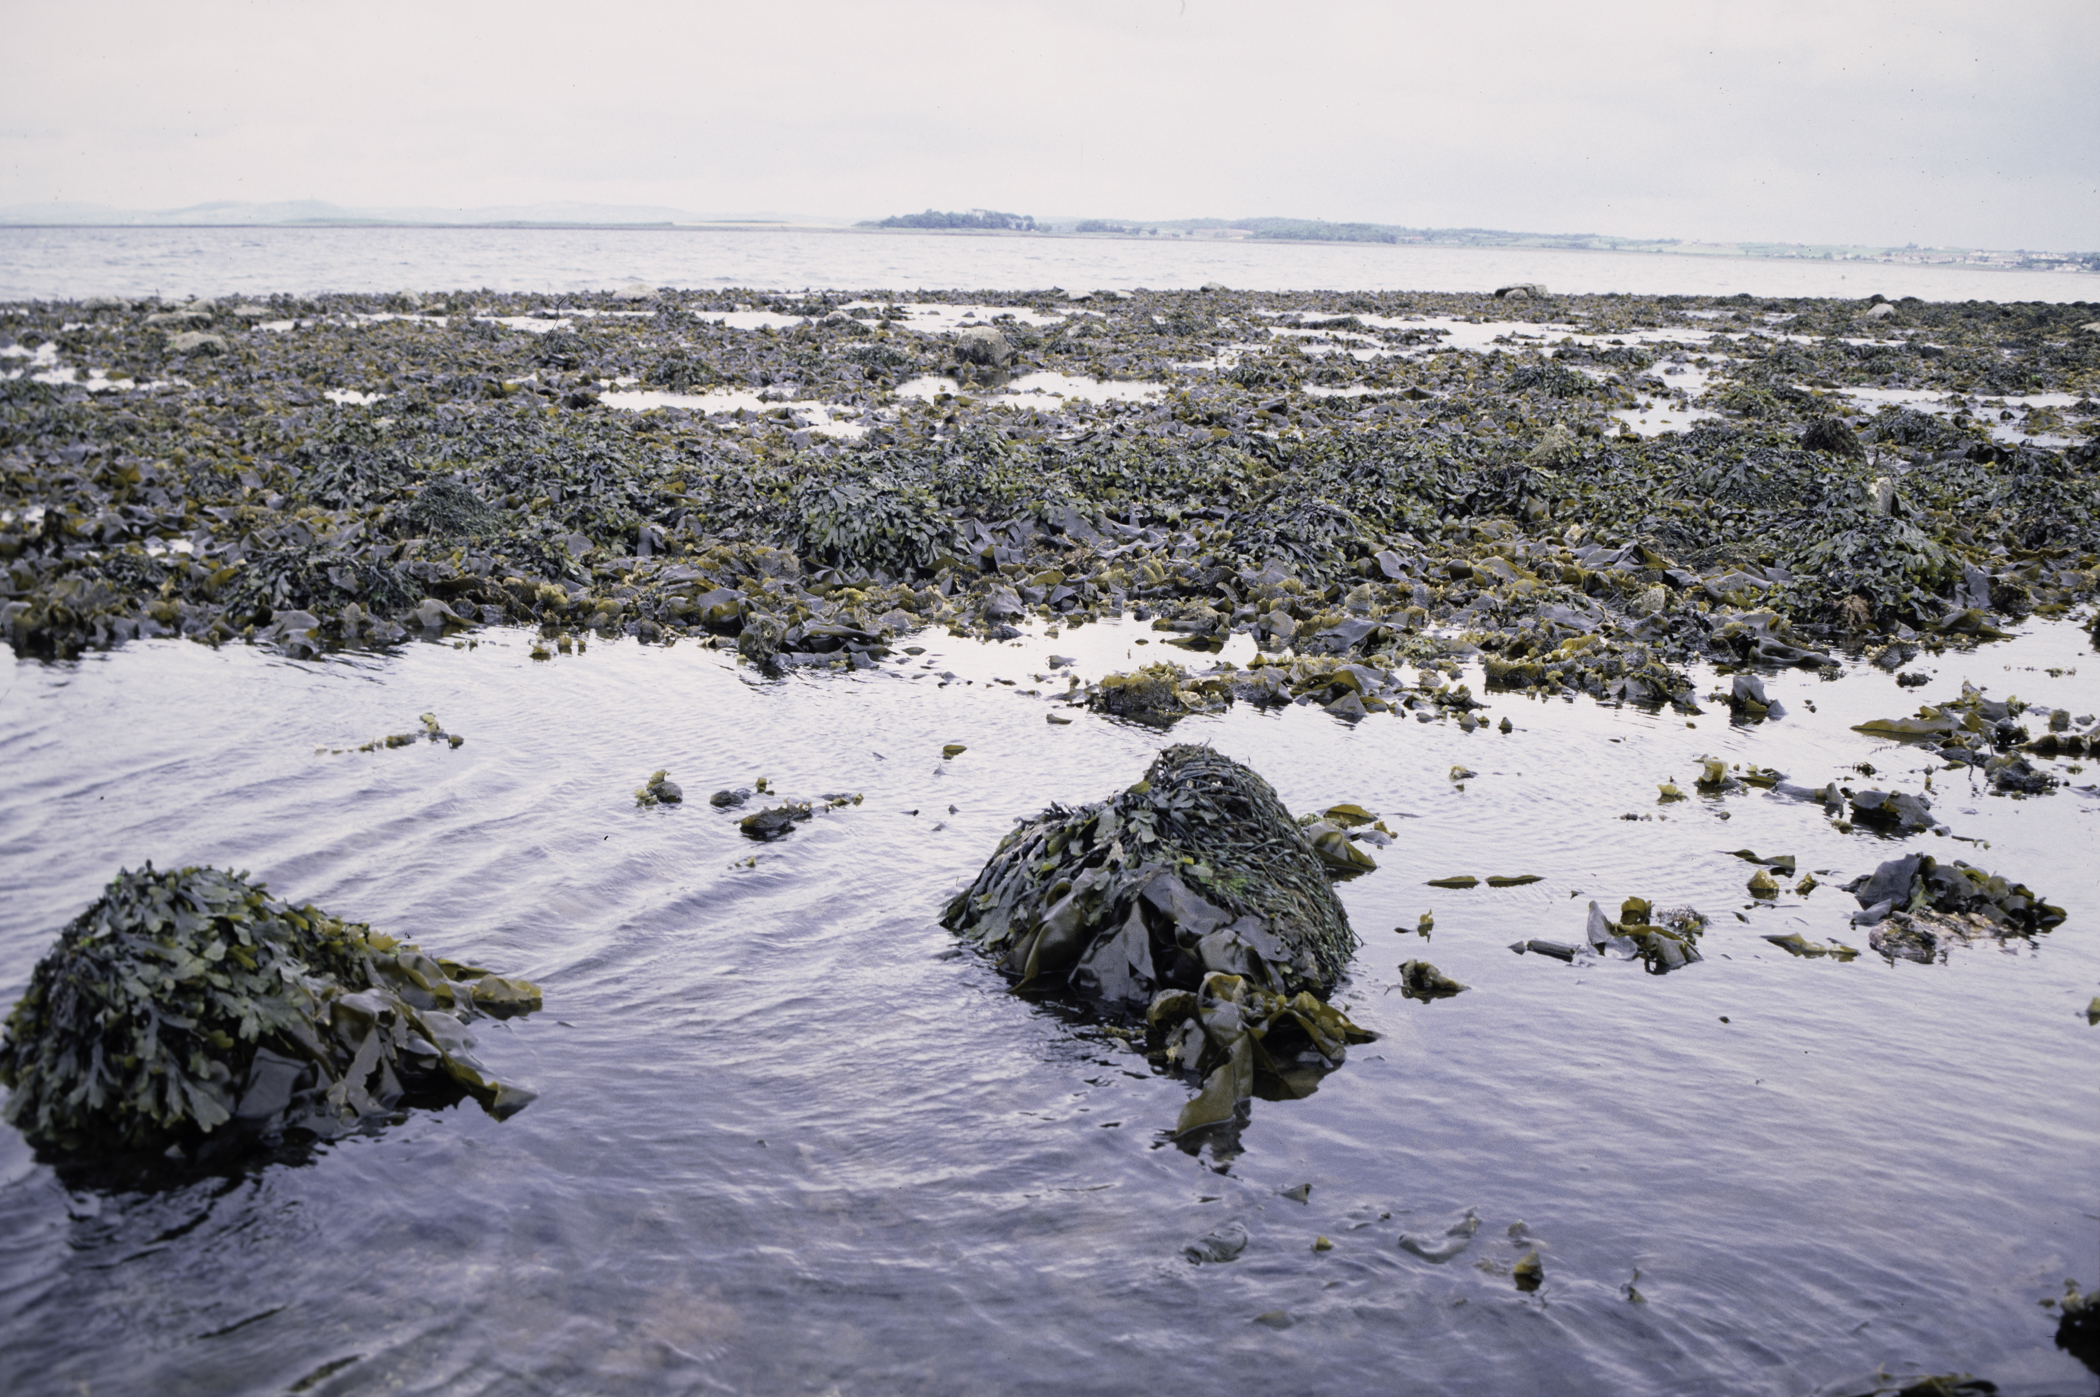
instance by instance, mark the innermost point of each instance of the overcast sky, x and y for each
(1833, 121)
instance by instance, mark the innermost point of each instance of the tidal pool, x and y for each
(792, 1138)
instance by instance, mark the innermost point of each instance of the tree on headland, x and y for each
(975, 218)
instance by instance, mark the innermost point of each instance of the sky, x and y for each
(1841, 121)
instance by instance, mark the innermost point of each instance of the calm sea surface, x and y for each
(790, 1139)
(49, 263)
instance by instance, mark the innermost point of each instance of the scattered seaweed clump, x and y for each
(430, 732)
(1987, 735)
(1662, 941)
(191, 1007)
(1347, 686)
(659, 789)
(1194, 897)
(2078, 1324)
(1918, 908)
(1421, 980)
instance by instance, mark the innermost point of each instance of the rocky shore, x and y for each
(1584, 492)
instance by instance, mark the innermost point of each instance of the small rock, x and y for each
(1441, 1246)
(1421, 980)
(196, 342)
(1528, 1273)
(775, 823)
(1223, 1244)
(659, 789)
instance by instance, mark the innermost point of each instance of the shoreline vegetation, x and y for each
(1357, 482)
(1271, 229)
(989, 222)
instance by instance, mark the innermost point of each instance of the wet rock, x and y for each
(981, 344)
(1223, 1244)
(725, 800)
(1200, 844)
(1747, 698)
(659, 789)
(1421, 980)
(1441, 1244)
(2078, 1325)
(1896, 812)
(1520, 291)
(191, 1007)
(1192, 895)
(1528, 1272)
(776, 822)
(196, 342)
(1967, 901)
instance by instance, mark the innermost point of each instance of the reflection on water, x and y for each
(792, 1137)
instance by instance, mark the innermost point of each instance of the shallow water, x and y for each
(790, 1139)
(72, 262)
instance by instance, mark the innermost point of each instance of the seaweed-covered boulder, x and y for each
(189, 1007)
(1195, 896)
(1197, 868)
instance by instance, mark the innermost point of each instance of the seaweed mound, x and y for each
(1917, 907)
(188, 1007)
(1194, 895)
(1197, 868)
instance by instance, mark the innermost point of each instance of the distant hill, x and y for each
(315, 213)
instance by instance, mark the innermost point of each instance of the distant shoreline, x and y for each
(1540, 243)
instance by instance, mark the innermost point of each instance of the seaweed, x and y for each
(1478, 493)
(1917, 907)
(192, 1007)
(1192, 896)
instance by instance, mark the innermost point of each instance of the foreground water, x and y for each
(69, 263)
(790, 1139)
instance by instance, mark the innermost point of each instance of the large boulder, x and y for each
(1197, 868)
(981, 344)
(1194, 896)
(191, 1007)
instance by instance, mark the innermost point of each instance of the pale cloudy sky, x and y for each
(1834, 121)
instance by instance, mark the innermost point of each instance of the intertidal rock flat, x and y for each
(1588, 492)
